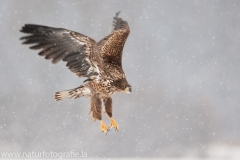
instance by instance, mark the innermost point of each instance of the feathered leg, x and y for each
(108, 110)
(96, 110)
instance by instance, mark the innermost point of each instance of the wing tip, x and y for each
(117, 14)
(55, 61)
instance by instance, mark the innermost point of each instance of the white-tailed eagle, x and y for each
(100, 62)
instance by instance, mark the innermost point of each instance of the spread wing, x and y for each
(58, 44)
(111, 46)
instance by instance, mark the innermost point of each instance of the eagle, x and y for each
(99, 62)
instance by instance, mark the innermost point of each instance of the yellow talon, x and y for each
(103, 127)
(114, 124)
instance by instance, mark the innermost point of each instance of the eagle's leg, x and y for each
(96, 110)
(108, 110)
(114, 124)
(103, 127)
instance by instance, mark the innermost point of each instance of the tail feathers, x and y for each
(61, 94)
(72, 93)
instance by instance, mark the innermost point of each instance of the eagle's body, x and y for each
(100, 63)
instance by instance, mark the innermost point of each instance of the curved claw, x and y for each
(103, 127)
(114, 124)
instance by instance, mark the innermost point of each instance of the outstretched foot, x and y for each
(114, 124)
(103, 127)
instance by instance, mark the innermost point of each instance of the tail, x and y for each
(73, 93)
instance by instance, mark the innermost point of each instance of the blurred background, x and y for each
(183, 62)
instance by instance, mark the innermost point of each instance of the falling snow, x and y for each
(181, 58)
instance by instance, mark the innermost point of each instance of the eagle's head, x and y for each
(123, 86)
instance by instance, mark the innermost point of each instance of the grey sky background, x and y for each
(181, 58)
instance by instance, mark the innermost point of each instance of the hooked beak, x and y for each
(128, 90)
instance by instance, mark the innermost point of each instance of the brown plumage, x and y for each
(100, 63)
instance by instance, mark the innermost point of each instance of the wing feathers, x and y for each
(118, 23)
(61, 44)
(58, 57)
(111, 46)
(74, 56)
(83, 56)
